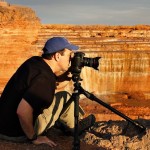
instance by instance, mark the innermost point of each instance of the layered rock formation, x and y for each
(124, 52)
(18, 31)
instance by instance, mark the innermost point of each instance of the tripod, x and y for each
(75, 97)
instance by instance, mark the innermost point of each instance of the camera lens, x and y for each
(91, 62)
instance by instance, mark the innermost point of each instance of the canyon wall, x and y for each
(18, 31)
(124, 50)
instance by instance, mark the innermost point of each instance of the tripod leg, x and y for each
(76, 116)
(92, 97)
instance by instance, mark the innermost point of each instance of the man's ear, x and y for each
(57, 56)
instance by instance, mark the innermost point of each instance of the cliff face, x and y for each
(18, 31)
(124, 50)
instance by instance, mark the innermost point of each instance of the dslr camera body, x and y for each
(79, 61)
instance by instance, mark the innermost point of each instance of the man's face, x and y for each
(65, 60)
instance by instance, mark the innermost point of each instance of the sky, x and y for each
(90, 12)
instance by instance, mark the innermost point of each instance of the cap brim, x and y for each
(72, 47)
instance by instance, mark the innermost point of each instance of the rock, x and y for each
(116, 135)
(19, 28)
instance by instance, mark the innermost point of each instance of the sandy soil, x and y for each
(63, 143)
(113, 135)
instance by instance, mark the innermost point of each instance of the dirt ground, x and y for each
(104, 135)
(63, 143)
(109, 132)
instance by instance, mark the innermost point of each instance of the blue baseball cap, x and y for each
(56, 44)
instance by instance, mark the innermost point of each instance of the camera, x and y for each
(79, 61)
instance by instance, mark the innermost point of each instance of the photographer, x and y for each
(28, 106)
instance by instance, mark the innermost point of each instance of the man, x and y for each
(29, 94)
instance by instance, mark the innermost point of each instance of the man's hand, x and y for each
(44, 140)
(66, 76)
(63, 80)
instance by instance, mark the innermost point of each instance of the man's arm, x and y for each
(63, 80)
(25, 115)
